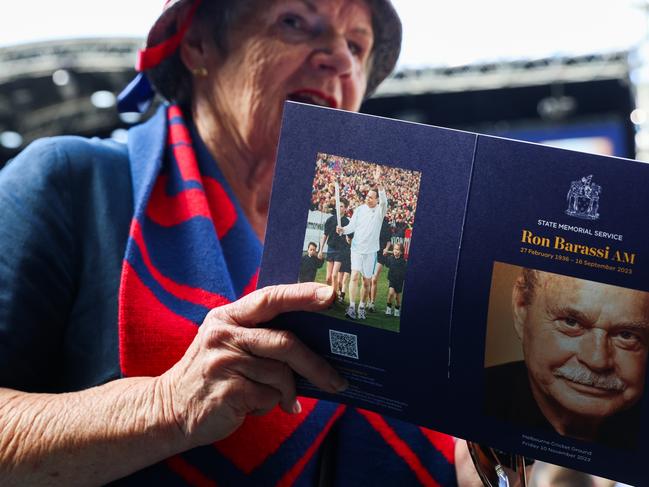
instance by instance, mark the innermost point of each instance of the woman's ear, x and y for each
(194, 50)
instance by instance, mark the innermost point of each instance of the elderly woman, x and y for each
(131, 347)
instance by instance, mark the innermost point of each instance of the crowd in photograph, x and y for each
(354, 179)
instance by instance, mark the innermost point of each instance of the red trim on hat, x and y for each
(150, 57)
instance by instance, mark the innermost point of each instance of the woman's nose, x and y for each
(333, 54)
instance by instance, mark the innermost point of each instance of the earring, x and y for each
(200, 72)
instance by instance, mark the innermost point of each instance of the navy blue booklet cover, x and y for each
(512, 305)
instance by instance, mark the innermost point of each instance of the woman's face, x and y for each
(313, 51)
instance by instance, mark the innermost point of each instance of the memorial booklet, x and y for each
(512, 302)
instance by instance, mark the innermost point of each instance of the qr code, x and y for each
(343, 344)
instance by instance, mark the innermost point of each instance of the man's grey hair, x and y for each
(526, 284)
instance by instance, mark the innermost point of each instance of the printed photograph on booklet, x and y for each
(559, 372)
(566, 355)
(358, 235)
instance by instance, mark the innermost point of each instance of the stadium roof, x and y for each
(69, 86)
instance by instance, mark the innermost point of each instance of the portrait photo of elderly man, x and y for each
(584, 353)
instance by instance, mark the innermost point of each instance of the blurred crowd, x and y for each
(355, 178)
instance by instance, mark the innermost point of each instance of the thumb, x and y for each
(264, 304)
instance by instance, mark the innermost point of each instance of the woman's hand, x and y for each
(232, 368)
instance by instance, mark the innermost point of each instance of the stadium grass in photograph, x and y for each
(378, 318)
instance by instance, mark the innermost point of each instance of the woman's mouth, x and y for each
(313, 97)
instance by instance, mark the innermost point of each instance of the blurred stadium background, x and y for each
(573, 74)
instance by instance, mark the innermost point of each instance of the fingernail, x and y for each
(297, 407)
(324, 293)
(339, 383)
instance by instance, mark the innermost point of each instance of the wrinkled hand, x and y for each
(233, 369)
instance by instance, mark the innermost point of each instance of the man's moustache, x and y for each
(585, 376)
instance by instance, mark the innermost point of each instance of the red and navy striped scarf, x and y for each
(190, 249)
